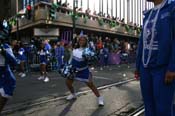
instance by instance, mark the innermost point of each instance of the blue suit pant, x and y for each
(157, 96)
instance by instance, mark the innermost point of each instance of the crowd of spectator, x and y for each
(59, 51)
(107, 18)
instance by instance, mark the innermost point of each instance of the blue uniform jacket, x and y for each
(7, 79)
(165, 37)
(10, 58)
(21, 54)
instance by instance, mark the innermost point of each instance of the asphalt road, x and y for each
(31, 90)
(119, 101)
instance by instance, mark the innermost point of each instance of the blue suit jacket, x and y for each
(166, 39)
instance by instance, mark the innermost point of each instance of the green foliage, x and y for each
(117, 23)
(54, 6)
(139, 30)
(78, 14)
(74, 16)
(85, 19)
(100, 21)
(112, 24)
(13, 21)
(52, 11)
(18, 15)
(127, 28)
(70, 13)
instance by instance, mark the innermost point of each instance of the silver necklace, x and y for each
(146, 34)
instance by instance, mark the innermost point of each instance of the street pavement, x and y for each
(29, 90)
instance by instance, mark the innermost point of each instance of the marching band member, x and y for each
(7, 58)
(156, 59)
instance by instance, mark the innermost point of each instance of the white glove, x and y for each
(20, 52)
(62, 57)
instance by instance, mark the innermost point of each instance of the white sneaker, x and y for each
(46, 79)
(71, 96)
(41, 78)
(23, 75)
(100, 101)
(92, 68)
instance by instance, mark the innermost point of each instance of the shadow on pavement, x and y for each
(67, 108)
(97, 111)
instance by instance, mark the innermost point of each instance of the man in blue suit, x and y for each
(156, 58)
(7, 79)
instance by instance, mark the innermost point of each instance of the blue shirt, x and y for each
(47, 47)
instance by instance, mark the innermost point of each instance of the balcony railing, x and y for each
(83, 21)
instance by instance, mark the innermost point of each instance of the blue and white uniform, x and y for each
(43, 55)
(7, 79)
(156, 56)
(21, 56)
(81, 66)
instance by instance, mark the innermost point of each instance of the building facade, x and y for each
(130, 10)
(5, 11)
(41, 26)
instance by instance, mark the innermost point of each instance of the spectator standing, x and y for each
(105, 55)
(67, 53)
(59, 54)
